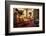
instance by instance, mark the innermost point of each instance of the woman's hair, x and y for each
(30, 13)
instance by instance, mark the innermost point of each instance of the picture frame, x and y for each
(9, 11)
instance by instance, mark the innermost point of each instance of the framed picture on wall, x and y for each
(24, 17)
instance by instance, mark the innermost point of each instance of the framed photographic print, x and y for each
(24, 17)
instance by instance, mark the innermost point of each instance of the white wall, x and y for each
(2, 18)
